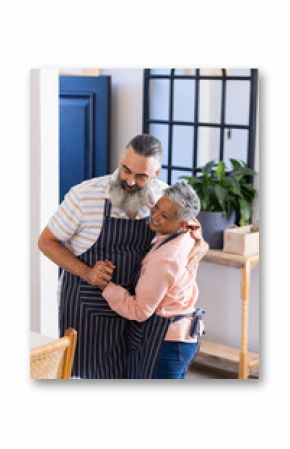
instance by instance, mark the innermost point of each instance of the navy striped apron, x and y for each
(103, 335)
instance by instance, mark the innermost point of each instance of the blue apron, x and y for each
(101, 351)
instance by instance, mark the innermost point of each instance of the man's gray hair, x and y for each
(186, 198)
(147, 146)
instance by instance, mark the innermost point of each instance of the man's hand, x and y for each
(199, 250)
(100, 274)
(196, 254)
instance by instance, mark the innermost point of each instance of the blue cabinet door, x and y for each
(84, 119)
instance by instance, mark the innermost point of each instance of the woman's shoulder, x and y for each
(179, 247)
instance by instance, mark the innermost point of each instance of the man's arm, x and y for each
(98, 275)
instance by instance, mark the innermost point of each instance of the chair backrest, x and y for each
(54, 360)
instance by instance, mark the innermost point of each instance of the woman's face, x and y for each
(164, 217)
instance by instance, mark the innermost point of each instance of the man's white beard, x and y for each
(129, 202)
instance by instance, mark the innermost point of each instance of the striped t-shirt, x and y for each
(78, 220)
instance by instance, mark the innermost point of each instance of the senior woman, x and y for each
(167, 284)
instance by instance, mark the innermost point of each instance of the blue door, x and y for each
(84, 117)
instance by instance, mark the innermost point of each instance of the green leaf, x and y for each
(244, 171)
(233, 185)
(245, 211)
(205, 204)
(250, 188)
(220, 171)
(207, 169)
(192, 180)
(205, 198)
(236, 164)
(244, 164)
(221, 195)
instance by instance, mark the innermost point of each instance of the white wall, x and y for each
(126, 108)
(220, 297)
(44, 182)
(34, 199)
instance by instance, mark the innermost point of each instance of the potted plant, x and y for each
(226, 197)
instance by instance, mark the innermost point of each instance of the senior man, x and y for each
(101, 219)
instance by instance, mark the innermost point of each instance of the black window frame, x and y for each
(251, 127)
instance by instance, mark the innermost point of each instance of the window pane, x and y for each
(159, 99)
(208, 145)
(184, 95)
(237, 102)
(163, 175)
(210, 94)
(160, 71)
(182, 146)
(161, 132)
(238, 72)
(175, 174)
(210, 72)
(235, 144)
(185, 72)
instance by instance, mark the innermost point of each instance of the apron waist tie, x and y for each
(195, 324)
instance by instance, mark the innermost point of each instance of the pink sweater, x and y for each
(167, 285)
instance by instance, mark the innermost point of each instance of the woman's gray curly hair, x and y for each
(186, 198)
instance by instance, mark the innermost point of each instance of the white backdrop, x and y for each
(208, 414)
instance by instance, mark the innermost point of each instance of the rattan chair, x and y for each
(54, 360)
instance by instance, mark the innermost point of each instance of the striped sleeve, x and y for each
(66, 221)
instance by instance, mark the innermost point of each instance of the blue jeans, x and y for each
(173, 359)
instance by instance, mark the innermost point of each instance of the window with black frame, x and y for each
(200, 115)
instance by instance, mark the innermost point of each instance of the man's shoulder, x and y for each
(91, 186)
(156, 190)
(159, 185)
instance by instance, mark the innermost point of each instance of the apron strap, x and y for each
(107, 208)
(138, 271)
(169, 238)
(195, 324)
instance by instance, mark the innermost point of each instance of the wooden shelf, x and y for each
(232, 260)
(225, 354)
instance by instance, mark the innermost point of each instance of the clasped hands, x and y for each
(100, 274)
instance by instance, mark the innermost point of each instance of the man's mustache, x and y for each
(131, 189)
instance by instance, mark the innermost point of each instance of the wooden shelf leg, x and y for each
(245, 295)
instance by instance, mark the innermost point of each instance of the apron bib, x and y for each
(101, 351)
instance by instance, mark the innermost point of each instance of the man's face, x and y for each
(137, 171)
